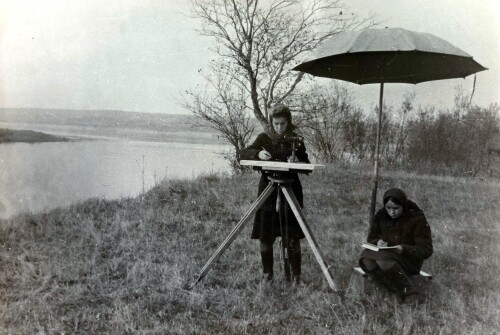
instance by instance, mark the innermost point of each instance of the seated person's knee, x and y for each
(368, 264)
(385, 265)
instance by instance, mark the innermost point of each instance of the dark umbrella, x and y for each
(390, 55)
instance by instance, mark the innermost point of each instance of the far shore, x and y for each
(28, 136)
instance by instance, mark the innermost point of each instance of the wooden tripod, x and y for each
(282, 185)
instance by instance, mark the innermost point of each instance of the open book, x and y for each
(374, 247)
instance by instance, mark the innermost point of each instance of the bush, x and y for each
(429, 141)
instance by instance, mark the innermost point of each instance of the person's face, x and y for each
(280, 124)
(394, 210)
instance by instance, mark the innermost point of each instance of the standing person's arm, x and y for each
(252, 151)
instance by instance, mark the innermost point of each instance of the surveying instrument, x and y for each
(277, 181)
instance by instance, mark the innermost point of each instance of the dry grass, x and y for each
(119, 267)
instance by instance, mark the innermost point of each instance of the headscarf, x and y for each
(396, 193)
(279, 110)
(408, 205)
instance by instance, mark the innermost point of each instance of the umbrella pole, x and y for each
(377, 154)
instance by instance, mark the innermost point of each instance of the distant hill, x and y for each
(102, 118)
(109, 123)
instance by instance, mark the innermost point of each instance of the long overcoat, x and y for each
(266, 223)
(410, 230)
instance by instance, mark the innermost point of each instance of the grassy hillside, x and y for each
(119, 267)
(27, 136)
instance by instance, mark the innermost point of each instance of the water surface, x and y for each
(36, 177)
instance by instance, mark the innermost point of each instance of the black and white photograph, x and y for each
(249, 167)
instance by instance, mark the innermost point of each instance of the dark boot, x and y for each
(267, 264)
(402, 284)
(295, 260)
(295, 264)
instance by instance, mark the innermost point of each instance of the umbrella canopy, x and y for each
(391, 55)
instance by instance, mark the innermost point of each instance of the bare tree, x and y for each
(328, 121)
(223, 107)
(260, 41)
(394, 130)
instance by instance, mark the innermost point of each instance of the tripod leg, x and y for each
(294, 205)
(236, 230)
(285, 248)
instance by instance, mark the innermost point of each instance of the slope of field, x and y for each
(120, 267)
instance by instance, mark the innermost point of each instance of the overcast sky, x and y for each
(139, 55)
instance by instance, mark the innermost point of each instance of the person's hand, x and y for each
(264, 155)
(399, 249)
(290, 160)
(381, 243)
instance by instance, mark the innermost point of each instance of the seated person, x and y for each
(275, 146)
(399, 223)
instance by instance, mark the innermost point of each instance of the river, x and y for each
(42, 176)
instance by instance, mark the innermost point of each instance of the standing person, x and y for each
(399, 223)
(276, 146)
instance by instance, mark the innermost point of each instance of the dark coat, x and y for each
(266, 224)
(410, 230)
